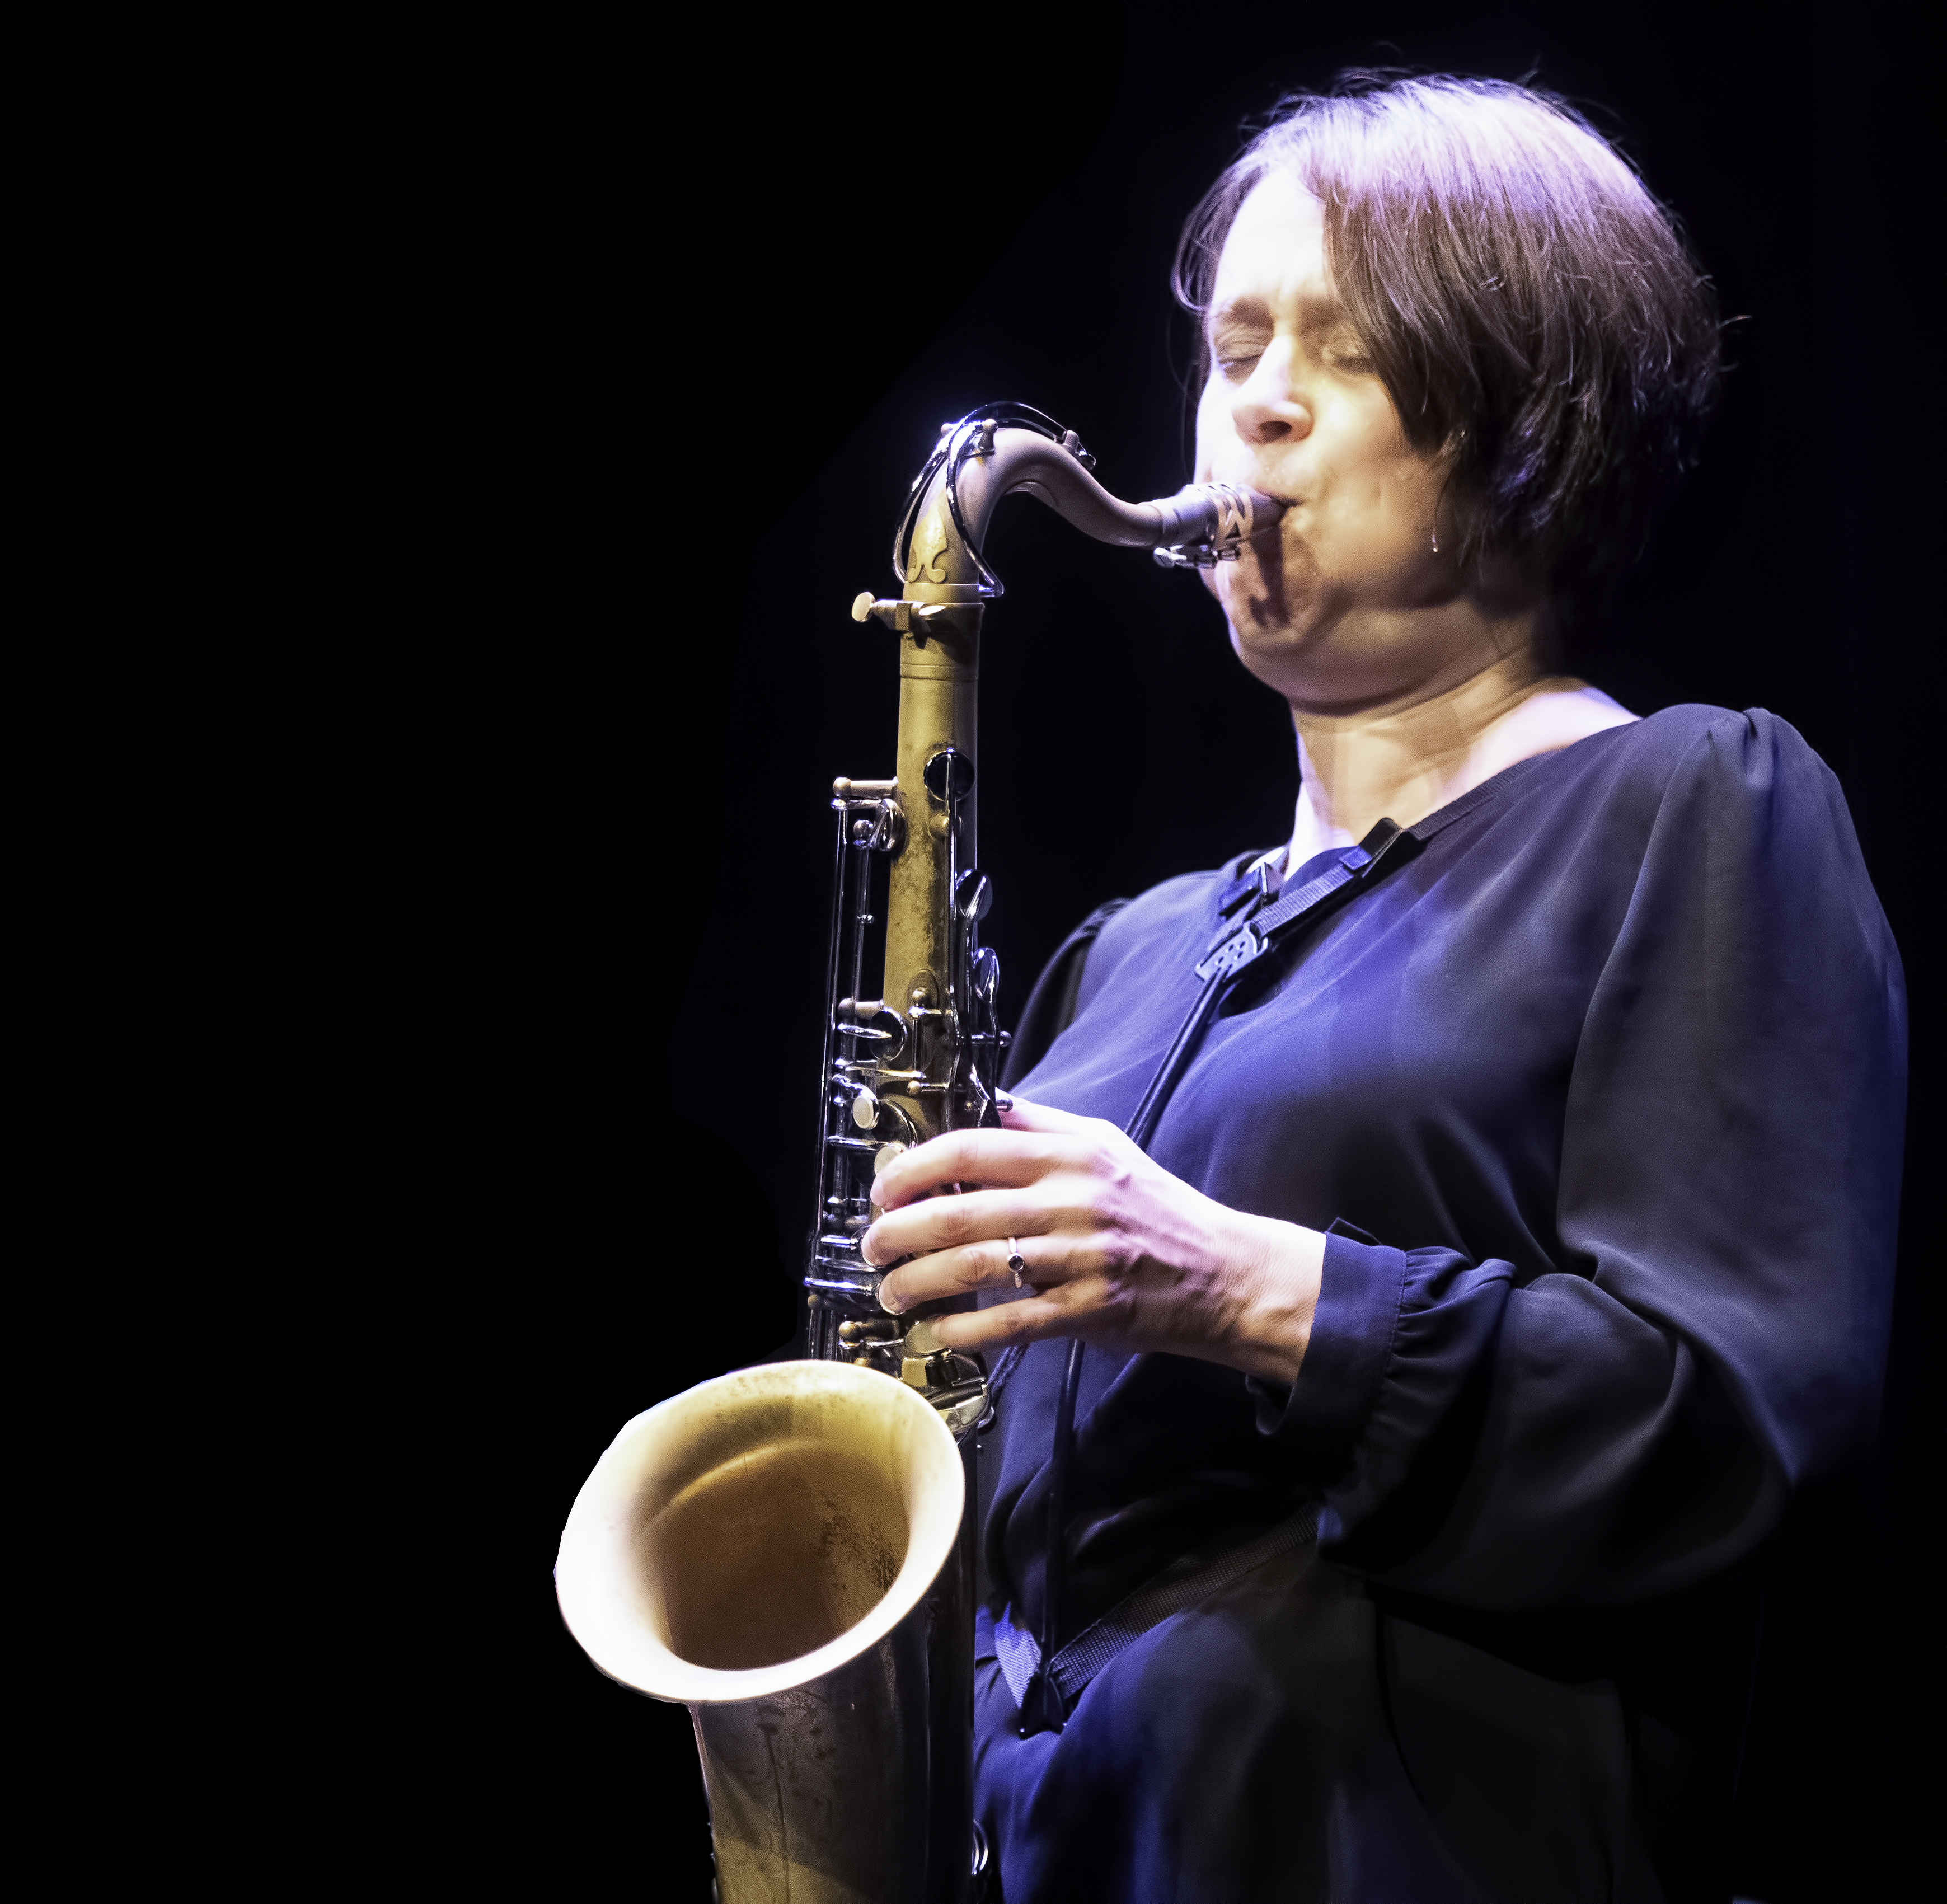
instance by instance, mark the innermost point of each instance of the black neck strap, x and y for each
(1263, 926)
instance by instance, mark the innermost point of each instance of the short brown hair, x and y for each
(1532, 310)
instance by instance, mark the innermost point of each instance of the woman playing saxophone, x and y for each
(1510, 1250)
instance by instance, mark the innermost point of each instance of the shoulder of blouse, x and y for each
(1659, 743)
(1718, 760)
(1166, 906)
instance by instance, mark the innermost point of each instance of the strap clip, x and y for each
(1231, 957)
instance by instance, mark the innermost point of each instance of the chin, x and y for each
(1265, 603)
(1273, 656)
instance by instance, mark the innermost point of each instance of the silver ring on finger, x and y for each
(1017, 1269)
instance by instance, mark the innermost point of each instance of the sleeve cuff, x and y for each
(1321, 1413)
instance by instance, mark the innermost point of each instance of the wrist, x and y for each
(1281, 1267)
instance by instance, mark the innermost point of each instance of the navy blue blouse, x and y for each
(1603, 1093)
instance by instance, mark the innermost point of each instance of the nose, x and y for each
(1266, 410)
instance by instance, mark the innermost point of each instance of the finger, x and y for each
(1022, 1115)
(1062, 1311)
(995, 1157)
(938, 1223)
(1045, 1262)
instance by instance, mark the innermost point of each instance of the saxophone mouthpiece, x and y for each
(1207, 523)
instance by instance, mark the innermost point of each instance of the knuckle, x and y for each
(1029, 1320)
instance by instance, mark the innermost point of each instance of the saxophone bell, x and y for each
(777, 1550)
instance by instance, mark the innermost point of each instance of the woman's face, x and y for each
(1351, 604)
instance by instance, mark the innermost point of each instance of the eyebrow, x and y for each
(1237, 311)
(1316, 311)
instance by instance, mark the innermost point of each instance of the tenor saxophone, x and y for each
(788, 1549)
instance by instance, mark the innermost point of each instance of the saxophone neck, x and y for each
(1002, 449)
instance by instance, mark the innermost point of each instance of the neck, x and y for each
(1402, 758)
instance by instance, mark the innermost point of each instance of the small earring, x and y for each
(1436, 542)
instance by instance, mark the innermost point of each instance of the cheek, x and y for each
(1376, 511)
(1213, 422)
(1404, 506)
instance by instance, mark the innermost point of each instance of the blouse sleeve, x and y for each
(1633, 1424)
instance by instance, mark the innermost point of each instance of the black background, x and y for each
(699, 302)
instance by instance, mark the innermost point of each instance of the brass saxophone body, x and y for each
(923, 1055)
(788, 1549)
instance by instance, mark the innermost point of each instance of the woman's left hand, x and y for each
(1116, 1250)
